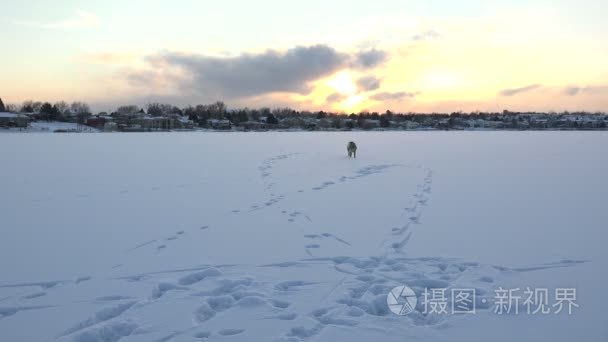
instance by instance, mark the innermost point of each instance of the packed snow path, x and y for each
(279, 237)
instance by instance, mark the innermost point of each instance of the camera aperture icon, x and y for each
(401, 300)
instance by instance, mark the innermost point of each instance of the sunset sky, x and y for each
(336, 55)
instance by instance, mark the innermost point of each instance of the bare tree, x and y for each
(80, 107)
(11, 108)
(217, 110)
(37, 106)
(27, 106)
(129, 109)
(81, 110)
(154, 109)
(62, 106)
(158, 109)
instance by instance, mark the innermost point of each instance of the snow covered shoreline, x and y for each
(70, 127)
(279, 236)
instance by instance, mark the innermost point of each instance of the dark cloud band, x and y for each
(368, 83)
(515, 91)
(248, 75)
(396, 96)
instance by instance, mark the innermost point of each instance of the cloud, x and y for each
(245, 75)
(230, 77)
(397, 96)
(83, 19)
(515, 91)
(141, 78)
(572, 90)
(368, 83)
(335, 97)
(427, 35)
(369, 59)
(576, 90)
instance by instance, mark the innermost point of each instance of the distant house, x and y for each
(538, 123)
(219, 124)
(348, 123)
(14, 120)
(370, 124)
(183, 122)
(323, 124)
(411, 125)
(254, 125)
(110, 126)
(293, 122)
(149, 123)
(97, 121)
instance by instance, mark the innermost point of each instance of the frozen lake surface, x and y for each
(280, 237)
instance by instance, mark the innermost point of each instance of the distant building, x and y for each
(293, 122)
(97, 122)
(254, 125)
(182, 122)
(110, 127)
(14, 120)
(219, 124)
(411, 125)
(370, 124)
(149, 123)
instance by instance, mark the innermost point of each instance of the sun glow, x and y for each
(352, 102)
(441, 79)
(343, 83)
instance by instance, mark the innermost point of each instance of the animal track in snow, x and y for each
(266, 168)
(358, 298)
(110, 332)
(364, 172)
(112, 298)
(336, 238)
(285, 316)
(12, 310)
(273, 200)
(82, 279)
(43, 285)
(292, 285)
(308, 247)
(141, 245)
(203, 335)
(199, 276)
(101, 316)
(163, 288)
(294, 215)
(34, 295)
(231, 332)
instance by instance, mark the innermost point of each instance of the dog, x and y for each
(351, 148)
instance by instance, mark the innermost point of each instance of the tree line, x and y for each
(200, 114)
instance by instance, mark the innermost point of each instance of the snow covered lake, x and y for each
(280, 237)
